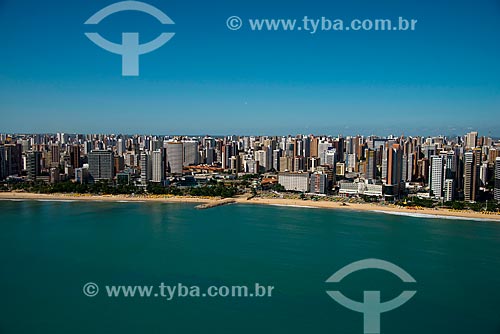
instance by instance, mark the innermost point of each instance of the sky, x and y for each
(442, 78)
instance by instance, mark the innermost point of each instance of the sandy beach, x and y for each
(388, 209)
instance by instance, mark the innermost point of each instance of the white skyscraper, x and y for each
(158, 167)
(436, 175)
(145, 168)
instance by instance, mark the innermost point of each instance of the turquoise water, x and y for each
(49, 250)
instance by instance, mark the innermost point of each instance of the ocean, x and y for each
(50, 250)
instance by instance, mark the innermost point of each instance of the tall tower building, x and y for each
(436, 175)
(55, 155)
(314, 147)
(33, 164)
(451, 165)
(158, 166)
(101, 165)
(496, 191)
(394, 165)
(3, 171)
(191, 154)
(449, 190)
(471, 139)
(13, 159)
(470, 177)
(175, 157)
(146, 167)
(75, 156)
(371, 164)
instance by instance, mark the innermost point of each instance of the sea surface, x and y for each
(50, 249)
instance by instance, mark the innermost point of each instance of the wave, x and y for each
(431, 216)
(295, 206)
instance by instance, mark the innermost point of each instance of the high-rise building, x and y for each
(470, 178)
(451, 165)
(146, 167)
(13, 159)
(286, 164)
(191, 154)
(33, 164)
(101, 165)
(276, 159)
(314, 147)
(436, 175)
(3, 171)
(371, 164)
(299, 164)
(235, 164)
(352, 163)
(251, 166)
(318, 183)
(120, 147)
(261, 157)
(75, 156)
(496, 190)
(394, 165)
(55, 155)
(175, 157)
(449, 190)
(330, 158)
(471, 139)
(158, 166)
(410, 170)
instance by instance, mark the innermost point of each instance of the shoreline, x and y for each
(210, 201)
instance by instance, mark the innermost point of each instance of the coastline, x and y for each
(369, 207)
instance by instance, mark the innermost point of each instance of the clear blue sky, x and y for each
(442, 78)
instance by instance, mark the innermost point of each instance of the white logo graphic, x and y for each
(130, 49)
(371, 307)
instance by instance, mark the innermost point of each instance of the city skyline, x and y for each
(464, 167)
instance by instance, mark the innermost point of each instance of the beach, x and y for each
(372, 207)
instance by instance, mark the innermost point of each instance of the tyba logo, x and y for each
(130, 49)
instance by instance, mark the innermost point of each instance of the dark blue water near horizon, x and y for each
(50, 249)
